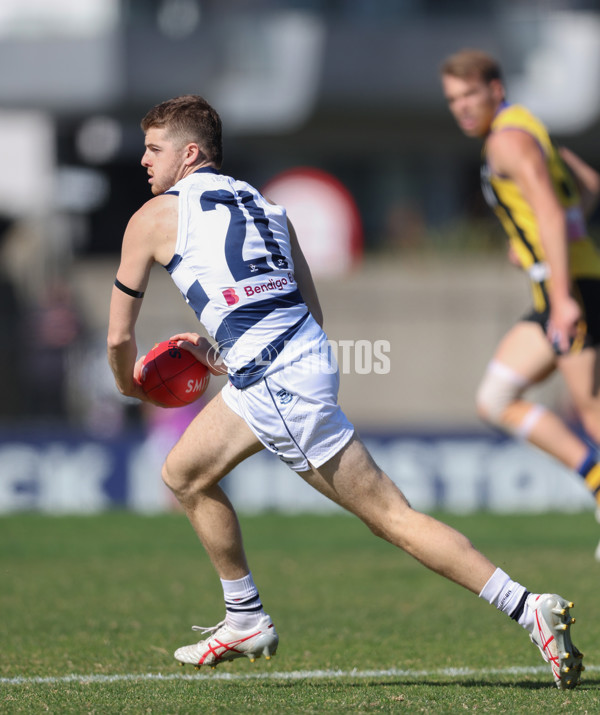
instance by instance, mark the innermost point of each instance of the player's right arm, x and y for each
(149, 237)
(203, 350)
(517, 155)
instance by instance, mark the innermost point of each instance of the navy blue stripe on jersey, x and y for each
(197, 298)
(172, 193)
(254, 370)
(235, 238)
(262, 224)
(174, 262)
(246, 316)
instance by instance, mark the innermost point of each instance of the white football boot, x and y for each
(552, 621)
(225, 643)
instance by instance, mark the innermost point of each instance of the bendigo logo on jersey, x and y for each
(231, 296)
(271, 284)
(257, 288)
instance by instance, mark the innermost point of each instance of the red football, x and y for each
(173, 377)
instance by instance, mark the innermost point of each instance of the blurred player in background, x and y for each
(542, 195)
(236, 260)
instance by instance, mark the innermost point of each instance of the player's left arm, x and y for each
(587, 179)
(304, 278)
(517, 155)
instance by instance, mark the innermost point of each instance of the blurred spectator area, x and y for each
(349, 87)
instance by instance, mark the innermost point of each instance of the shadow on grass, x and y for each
(588, 684)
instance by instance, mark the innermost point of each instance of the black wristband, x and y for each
(129, 291)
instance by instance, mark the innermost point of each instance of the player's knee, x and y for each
(499, 389)
(184, 488)
(487, 406)
(169, 476)
(188, 482)
(176, 479)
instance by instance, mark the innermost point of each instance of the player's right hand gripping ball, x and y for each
(172, 377)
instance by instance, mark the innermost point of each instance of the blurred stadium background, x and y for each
(336, 105)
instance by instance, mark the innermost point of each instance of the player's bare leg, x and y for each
(355, 482)
(214, 443)
(526, 352)
(523, 358)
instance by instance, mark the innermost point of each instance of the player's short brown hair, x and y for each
(189, 118)
(472, 63)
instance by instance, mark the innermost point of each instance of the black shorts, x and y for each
(587, 293)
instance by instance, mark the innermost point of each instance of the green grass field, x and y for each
(93, 607)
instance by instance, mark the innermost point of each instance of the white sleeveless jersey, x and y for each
(234, 267)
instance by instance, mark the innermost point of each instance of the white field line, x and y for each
(291, 675)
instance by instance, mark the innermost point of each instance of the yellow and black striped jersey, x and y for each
(517, 217)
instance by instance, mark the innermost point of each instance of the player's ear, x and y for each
(497, 90)
(192, 154)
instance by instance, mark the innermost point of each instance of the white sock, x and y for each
(510, 597)
(242, 602)
(527, 618)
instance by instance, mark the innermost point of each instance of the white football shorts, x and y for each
(293, 410)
